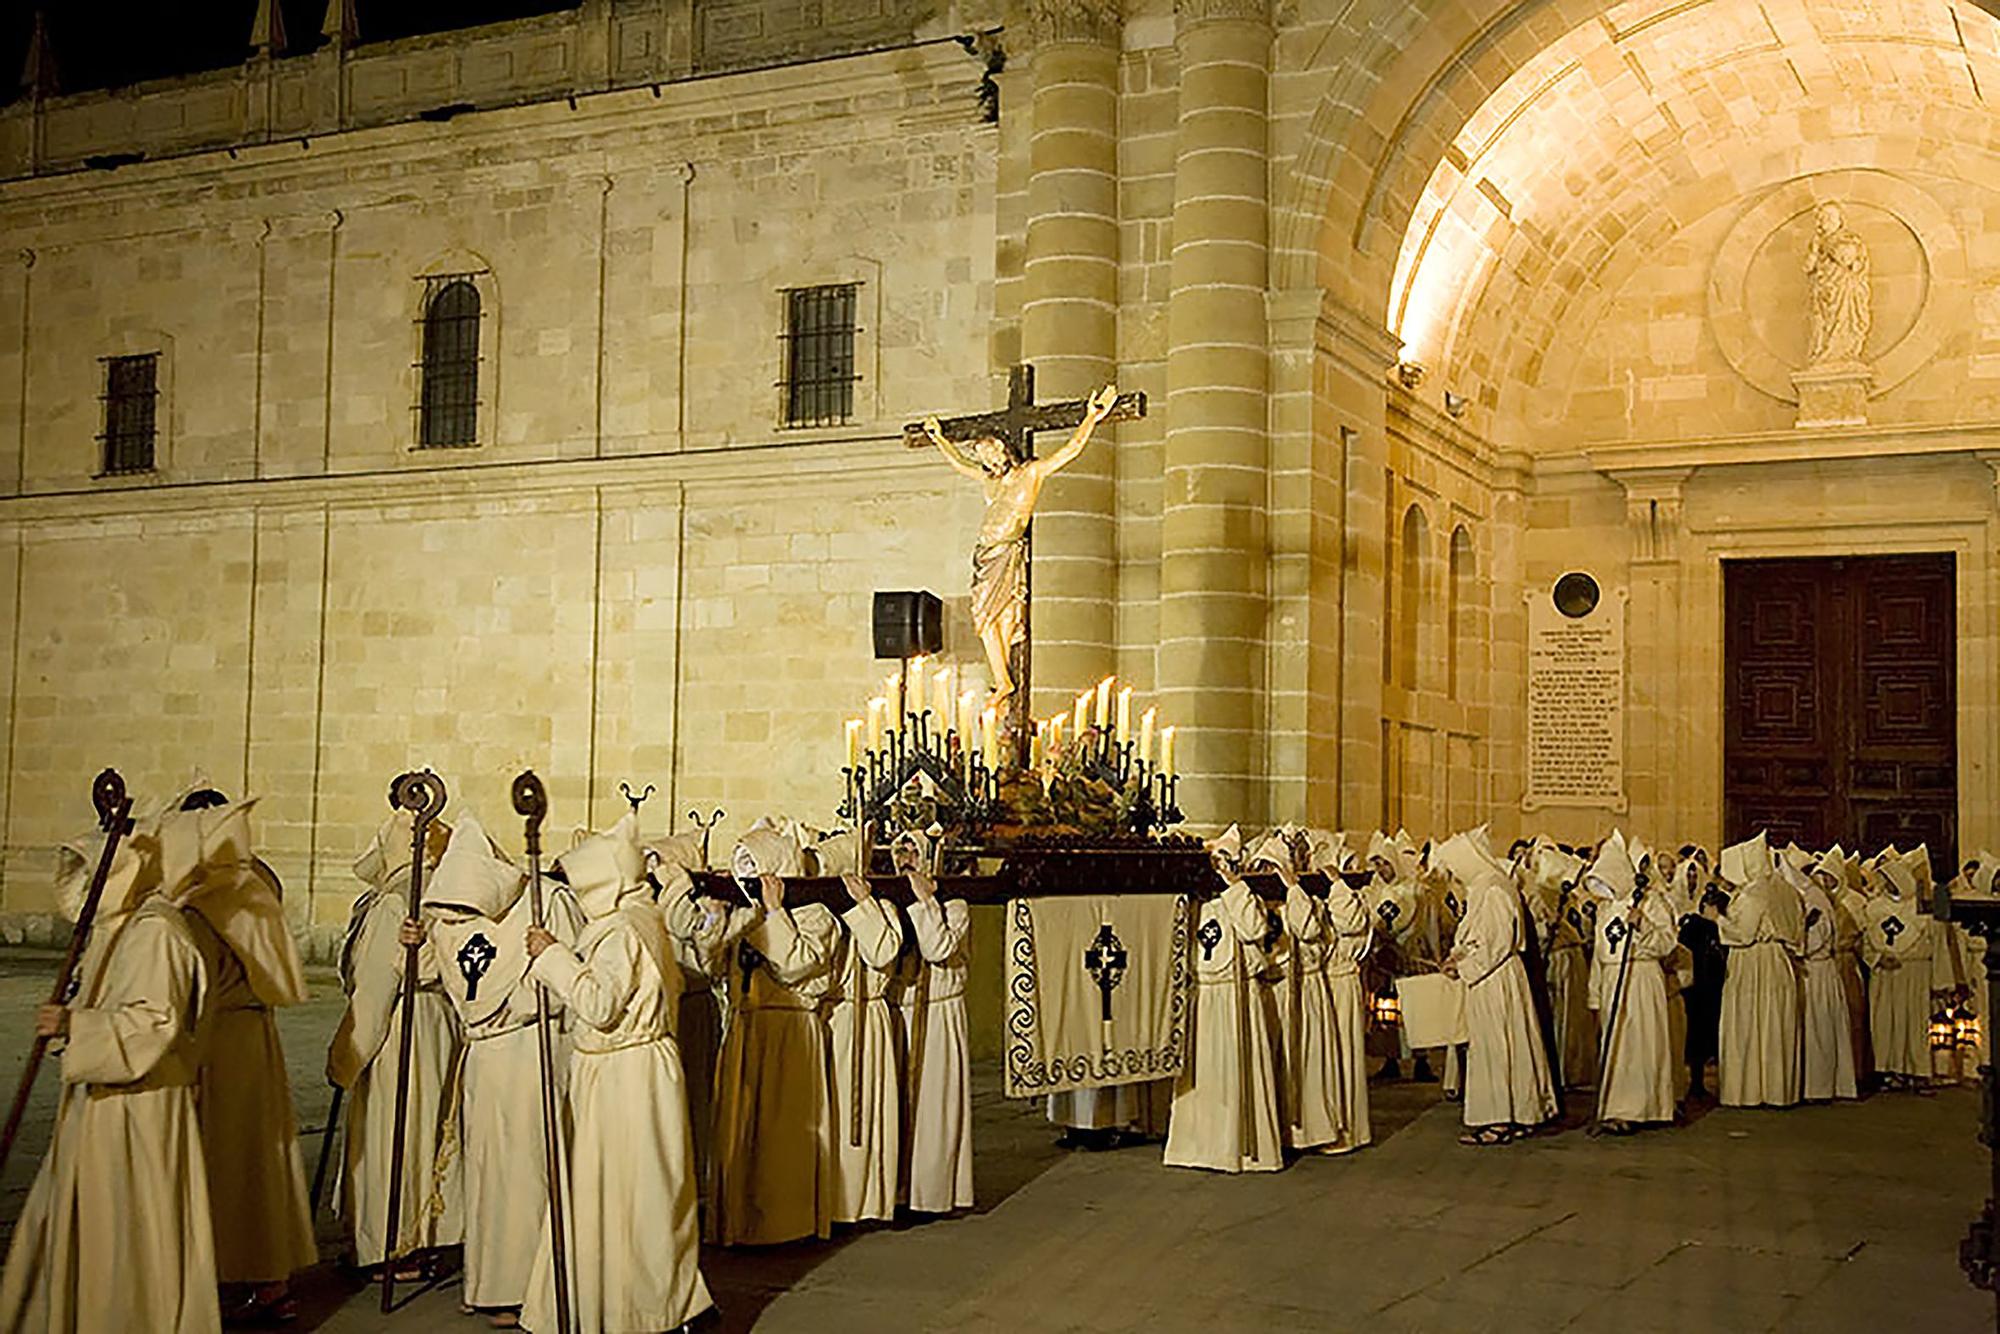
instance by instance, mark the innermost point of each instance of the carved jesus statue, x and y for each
(1000, 559)
(1837, 276)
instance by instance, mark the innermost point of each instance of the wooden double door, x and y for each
(1841, 722)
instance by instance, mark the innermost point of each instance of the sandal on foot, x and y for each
(1486, 1137)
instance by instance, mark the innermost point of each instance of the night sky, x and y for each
(110, 43)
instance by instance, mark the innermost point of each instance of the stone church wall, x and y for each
(636, 574)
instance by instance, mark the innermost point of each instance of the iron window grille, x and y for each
(448, 399)
(818, 388)
(131, 413)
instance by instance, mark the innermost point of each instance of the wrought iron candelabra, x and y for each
(966, 790)
(1119, 766)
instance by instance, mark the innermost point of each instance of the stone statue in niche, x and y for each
(1837, 278)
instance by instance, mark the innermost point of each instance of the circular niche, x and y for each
(1577, 595)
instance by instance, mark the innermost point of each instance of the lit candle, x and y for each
(1167, 752)
(942, 691)
(1040, 745)
(1082, 713)
(1102, 718)
(853, 742)
(1125, 715)
(989, 737)
(1055, 736)
(877, 707)
(914, 701)
(1146, 721)
(892, 700)
(967, 713)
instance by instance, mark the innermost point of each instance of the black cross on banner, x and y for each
(1015, 425)
(1105, 962)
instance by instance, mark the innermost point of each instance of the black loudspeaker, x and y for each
(908, 624)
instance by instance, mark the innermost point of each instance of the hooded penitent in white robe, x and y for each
(1311, 1089)
(1640, 1056)
(1352, 936)
(1507, 1080)
(363, 1060)
(1899, 942)
(865, 1079)
(1828, 1053)
(633, 1236)
(697, 927)
(250, 1134)
(1764, 931)
(1566, 959)
(479, 918)
(773, 1121)
(1225, 1112)
(937, 1073)
(115, 1234)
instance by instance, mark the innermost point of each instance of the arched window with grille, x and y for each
(448, 408)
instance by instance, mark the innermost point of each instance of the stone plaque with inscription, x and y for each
(1576, 696)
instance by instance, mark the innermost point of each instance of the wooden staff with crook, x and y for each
(707, 827)
(114, 817)
(637, 799)
(423, 796)
(531, 803)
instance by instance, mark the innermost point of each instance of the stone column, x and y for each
(1657, 752)
(1069, 331)
(1214, 557)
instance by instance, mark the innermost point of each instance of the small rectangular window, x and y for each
(131, 400)
(819, 355)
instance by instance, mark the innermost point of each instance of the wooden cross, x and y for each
(1014, 426)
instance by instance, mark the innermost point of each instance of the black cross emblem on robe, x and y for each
(1615, 932)
(749, 959)
(474, 958)
(1891, 928)
(1210, 936)
(1105, 962)
(1389, 910)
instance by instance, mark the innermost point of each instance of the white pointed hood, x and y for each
(603, 869)
(1748, 862)
(1613, 877)
(474, 874)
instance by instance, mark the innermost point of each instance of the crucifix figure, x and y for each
(997, 449)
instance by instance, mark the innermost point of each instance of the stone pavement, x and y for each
(1817, 1220)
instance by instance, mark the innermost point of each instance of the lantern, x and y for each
(1965, 1026)
(1944, 1031)
(1388, 1009)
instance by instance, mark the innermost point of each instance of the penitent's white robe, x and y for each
(1353, 936)
(865, 1081)
(773, 1125)
(634, 1236)
(1506, 1065)
(115, 1233)
(363, 1060)
(1828, 1052)
(1758, 1057)
(1641, 1057)
(937, 1072)
(1312, 1060)
(1900, 945)
(1568, 964)
(699, 931)
(1225, 1113)
(506, 1155)
(250, 1136)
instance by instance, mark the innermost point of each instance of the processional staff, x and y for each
(1608, 1044)
(531, 803)
(114, 817)
(423, 796)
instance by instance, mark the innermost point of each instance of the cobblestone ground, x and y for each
(1819, 1220)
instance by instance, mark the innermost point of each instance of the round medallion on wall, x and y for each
(1577, 595)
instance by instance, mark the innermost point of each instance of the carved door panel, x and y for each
(1840, 702)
